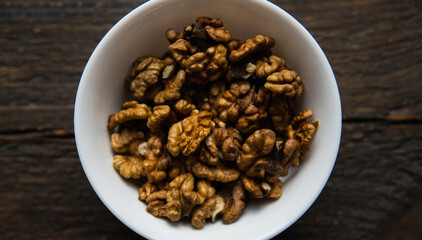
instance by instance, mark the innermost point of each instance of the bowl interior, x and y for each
(142, 32)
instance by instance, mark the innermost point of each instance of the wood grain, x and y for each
(364, 198)
(374, 48)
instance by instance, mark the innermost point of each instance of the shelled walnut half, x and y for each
(211, 124)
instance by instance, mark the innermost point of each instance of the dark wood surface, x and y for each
(374, 47)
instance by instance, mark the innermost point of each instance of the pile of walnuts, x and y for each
(211, 126)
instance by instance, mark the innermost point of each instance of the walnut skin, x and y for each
(183, 107)
(156, 203)
(218, 34)
(128, 166)
(256, 146)
(267, 66)
(208, 28)
(173, 36)
(251, 46)
(130, 111)
(241, 70)
(158, 116)
(276, 191)
(256, 188)
(186, 135)
(233, 198)
(243, 106)
(253, 110)
(279, 112)
(260, 188)
(121, 141)
(222, 143)
(208, 66)
(135, 147)
(227, 105)
(233, 45)
(302, 130)
(172, 89)
(179, 200)
(209, 102)
(219, 172)
(203, 212)
(157, 160)
(148, 76)
(146, 189)
(285, 82)
(181, 50)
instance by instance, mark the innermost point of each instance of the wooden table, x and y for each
(374, 47)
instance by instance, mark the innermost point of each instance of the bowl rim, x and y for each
(155, 3)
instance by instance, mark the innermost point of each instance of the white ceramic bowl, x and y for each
(142, 32)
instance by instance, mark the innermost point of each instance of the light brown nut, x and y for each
(179, 199)
(256, 146)
(135, 147)
(172, 89)
(177, 168)
(253, 110)
(267, 66)
(157, 196)
(146, 190)
(181, 50)
(280, 112)
(183, 107)
(218, 59)
(204, 191)
(157, 204)
(234, 203)
(301, 119)
(233, 45)
(219, 172)
(209, 103)
(276, 185)
(196, 63)
(222, 143)
(203, 212)
(220, 34)
(121, 140)
(148, 76)
(200, 29)
(208, 66)
(172, 35)
(270, 187)
(138, 66)
(305, 133)
(243, 106)
(302, 130)
(186, 135)
(226, 104)
(174, 204)
(256, 188)
(131, 111)
(285, 154)
(159, 115)
(251, 46)
(157, 160)
(128, 166)
(241, 70)
(285, 82)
